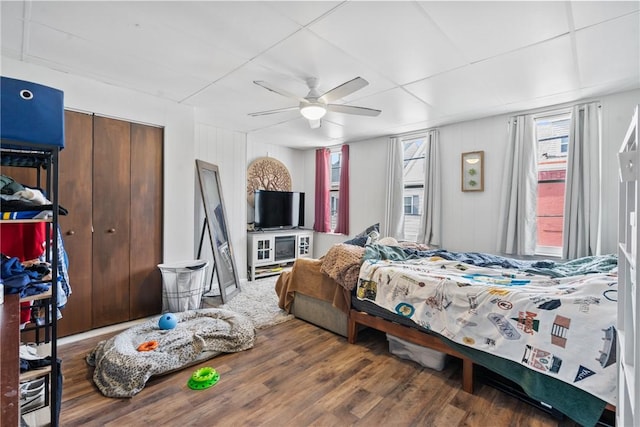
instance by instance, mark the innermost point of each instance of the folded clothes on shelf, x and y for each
(30, 352)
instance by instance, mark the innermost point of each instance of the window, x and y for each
(414, 170)
(552, 138)
(334, 191)
(411, 205)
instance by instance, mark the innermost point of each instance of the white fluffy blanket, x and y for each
(122, 371)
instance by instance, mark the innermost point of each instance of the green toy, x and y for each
(203, 378)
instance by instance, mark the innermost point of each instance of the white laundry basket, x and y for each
(182, 284)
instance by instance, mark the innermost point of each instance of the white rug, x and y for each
(259, 302)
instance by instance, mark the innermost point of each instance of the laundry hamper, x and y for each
(182, 285)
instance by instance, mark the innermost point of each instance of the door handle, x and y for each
(111, 230)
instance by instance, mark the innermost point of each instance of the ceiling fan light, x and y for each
(313, 111)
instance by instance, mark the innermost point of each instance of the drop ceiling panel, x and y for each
(229, 109)
(396, 38)
(243, 28)
(587, 13)
(399, 106)
(303, 12)
(140, 35)
(491, 28)
(456, 60)
(305, 55)
(298, 134)
(11, 28)
(459, 91)
(600, 60)
(79, 56)
(238, 91)
(541, 70)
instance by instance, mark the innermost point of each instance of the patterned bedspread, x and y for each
(559, 326)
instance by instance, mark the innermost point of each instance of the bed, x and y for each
(549, 327)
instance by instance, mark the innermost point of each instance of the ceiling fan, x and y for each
(314, 106)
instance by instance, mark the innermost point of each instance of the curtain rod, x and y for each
(415, 132)
(555, 107)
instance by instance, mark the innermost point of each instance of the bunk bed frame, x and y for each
(628, 278)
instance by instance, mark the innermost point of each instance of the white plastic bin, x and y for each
(182, 285)
(427, 357)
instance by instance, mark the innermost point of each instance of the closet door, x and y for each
(146, 220)
(111, 220)
(75, 187)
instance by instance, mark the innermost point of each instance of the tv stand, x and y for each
(271, 251)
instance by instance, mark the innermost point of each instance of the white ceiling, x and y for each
(427, 63)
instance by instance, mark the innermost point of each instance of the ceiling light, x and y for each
(313, 111)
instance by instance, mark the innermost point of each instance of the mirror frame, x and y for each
(216, 223)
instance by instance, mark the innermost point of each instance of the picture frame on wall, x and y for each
(472, 174)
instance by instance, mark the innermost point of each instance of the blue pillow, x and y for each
(358, 241)
(370, 235)
(371, 228)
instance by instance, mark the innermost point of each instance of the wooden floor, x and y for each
(297, 375)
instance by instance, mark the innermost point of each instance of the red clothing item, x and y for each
(25, 312)
(24, 241)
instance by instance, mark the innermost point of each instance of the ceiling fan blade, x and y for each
(344, 89)
(278, 110)
(349, 109)
(278, 90)
(315, 124)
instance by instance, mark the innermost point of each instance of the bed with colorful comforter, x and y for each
(534, 318)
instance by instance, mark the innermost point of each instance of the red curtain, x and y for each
(322, 216)
(343, 202)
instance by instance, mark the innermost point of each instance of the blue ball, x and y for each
(168, 321)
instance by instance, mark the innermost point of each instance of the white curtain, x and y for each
(517, 219)
(582, 219)
(431, 203)
(394, 202)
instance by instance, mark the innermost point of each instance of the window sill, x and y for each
(548, 251)
(331, 233)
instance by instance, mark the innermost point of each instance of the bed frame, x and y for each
(412, 335)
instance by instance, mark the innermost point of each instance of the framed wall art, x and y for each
(473, 171)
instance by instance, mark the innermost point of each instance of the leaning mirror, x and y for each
(215, 223)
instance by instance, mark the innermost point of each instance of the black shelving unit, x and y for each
(44, 159)
(31, 136)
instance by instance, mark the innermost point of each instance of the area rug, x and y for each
(259, 302)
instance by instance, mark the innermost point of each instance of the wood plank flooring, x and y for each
(298, 375)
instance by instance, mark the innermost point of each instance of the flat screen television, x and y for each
(278, 209)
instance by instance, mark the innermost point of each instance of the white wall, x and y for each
(293, 160)
(178, 121)
(233, 152)
(470, 220)
(226, 149)
(367, 171)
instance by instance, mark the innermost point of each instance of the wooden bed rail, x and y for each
(412, 335)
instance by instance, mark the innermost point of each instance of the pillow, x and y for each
(358, 241)
(368, 236)
(369, 230)
(388, 241)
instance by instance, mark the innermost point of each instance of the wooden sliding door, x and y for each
(76, 189)
(111, 220)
